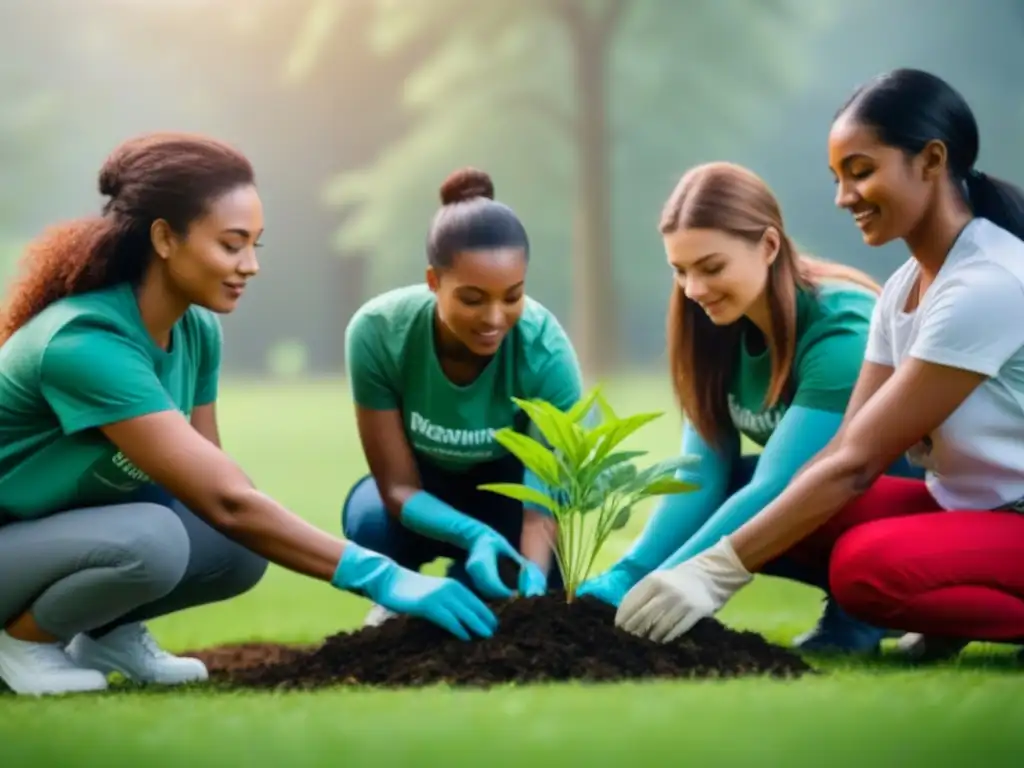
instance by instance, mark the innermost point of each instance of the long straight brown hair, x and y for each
(702, 356)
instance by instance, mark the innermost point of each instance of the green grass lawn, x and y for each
(299, 444)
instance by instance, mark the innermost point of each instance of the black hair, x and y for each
(907, 108)
(470, 219)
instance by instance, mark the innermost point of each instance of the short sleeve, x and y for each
(556, 377)
(365, 367)
(211, 341)
(828, 370)
(974, 320)
(92, 376)
(879, 345)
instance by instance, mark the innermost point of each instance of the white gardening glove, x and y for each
(667, 603)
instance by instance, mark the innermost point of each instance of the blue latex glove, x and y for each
(442, 601)
(612, 585)
(674, 520)
(427, 515)
(532, 581)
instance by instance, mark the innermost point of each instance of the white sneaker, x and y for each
(914, 646)
(133, 652)
(377, 616)
(44, 668)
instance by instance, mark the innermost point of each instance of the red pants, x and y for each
(897, 560)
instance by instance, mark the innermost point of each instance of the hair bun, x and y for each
(110, 178)
(465, 184)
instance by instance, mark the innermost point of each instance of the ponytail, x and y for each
(169, 176)
(999, 201)
(68, 259)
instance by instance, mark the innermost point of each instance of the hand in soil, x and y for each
(668, 602)
(540, 640)
(532, 581)
(611, 586)
(482, 565)
(443, 601)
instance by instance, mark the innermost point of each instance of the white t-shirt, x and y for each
(971, 317)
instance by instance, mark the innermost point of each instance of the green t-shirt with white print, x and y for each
(83, 362)
(832, 324)
(392, 364)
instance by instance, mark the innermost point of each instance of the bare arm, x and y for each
(912, 402)
(204, 421)
(389, 456)
(191, 467)
(871, 379)
(537, 538)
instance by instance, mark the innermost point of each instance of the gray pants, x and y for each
(92, 570)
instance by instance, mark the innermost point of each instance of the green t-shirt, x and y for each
(392, 364)
(832, 333)
(83, 362)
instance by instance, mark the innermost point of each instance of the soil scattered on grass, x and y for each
(224, 660)
(539, 640)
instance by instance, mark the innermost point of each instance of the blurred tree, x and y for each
(32, 107)
(556, 99)
(227, 79)
(943, 43)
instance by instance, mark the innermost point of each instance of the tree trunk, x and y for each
(594, 325)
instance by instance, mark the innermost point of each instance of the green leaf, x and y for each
(622, 518)
(523, 493)
(607, 412)
(590, 472)
(608, 435)
(618, 475)
(583, 406)
(662, 470)
(611, 481)
(666, 486)
(532, 453)
(557, 428)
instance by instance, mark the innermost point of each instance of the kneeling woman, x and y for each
(117, 504)
(943, 380)
(763, 343)
(433, 369)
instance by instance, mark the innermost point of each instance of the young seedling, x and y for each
(588, 486)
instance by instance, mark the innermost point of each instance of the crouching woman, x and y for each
(117, 504)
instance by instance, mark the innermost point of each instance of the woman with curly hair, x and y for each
(117, 504)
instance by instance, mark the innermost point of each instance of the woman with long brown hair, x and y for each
(942, 382)
(763, 343)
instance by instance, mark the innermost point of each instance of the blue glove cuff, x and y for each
(361, 570)
(428, 516)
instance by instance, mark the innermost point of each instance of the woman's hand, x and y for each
(667, 603)
(536, 545)
(442, 601)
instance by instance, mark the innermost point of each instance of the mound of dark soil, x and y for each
(539, 640)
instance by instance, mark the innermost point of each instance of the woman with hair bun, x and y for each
(433, 368)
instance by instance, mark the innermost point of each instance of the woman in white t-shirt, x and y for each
(942, 381)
